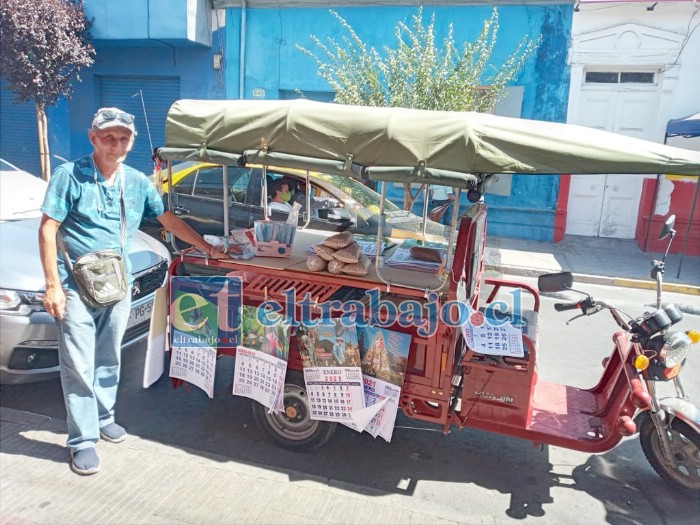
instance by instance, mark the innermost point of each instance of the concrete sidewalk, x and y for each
(178, 488)
(615, 262)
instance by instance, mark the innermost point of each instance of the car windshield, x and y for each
(366, 197)
(21, 194)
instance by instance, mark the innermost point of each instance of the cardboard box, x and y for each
(274, 238)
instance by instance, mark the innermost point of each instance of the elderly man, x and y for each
(83, 209)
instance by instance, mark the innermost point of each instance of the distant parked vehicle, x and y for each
(28, 346)
(340, 203)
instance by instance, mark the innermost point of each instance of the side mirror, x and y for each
(668, 227)
(555, 282)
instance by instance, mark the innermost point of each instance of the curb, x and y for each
(651, 285)
(598, 279)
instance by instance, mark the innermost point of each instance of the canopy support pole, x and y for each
(425, 208)
(226, 205)
(687, 230)
(652, 212)
(170, 204)
(379, 258)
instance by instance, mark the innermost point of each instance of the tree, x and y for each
(418, 73)
(45, 44)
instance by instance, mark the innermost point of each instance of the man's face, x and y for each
(284, 188)
(112, 144)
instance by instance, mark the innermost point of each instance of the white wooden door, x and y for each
(607, 205)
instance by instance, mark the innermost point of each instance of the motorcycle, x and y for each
(669, 427)
(447, 381)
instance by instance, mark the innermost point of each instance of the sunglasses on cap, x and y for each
(108, 115)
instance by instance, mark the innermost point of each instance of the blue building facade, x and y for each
(152, 52)
(149, 53)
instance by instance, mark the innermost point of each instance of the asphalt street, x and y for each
(423, 475)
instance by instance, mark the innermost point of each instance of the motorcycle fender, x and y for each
(683, 410)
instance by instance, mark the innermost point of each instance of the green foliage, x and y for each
(45, 43)
(418, 73)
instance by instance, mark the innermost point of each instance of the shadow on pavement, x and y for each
(420, 462)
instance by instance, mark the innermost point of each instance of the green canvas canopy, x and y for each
(404, 145)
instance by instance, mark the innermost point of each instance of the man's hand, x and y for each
(184, 232)
(218, 253)
(55, 301)
(234, 248)
(54, 297)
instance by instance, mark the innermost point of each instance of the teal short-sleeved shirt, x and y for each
(88, 209)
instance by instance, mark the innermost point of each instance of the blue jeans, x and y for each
(89, 352)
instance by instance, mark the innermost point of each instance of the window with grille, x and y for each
(620, 77)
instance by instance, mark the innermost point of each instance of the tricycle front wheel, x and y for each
(293, 428)
(685, 447)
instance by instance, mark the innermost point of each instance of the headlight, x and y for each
(9, 300)
(14, 300)
(676, 347)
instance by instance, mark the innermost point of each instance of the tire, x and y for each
(685, 445)
(294, 429)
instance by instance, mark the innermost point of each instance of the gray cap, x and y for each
(112, 118)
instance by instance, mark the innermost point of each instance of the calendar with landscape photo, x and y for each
(384, 353)
(328, 345)
(272, 340)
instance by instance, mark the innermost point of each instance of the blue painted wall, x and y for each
(177, 22)
(137, 38)
(192, 66)
(275, 65)
(134, 40)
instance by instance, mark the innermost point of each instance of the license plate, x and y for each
(139, 314)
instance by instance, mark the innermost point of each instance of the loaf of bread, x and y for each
(426, 254)
(339, 240)
(350, 254)
(360, 268)
(324, 252)
(314, 263)
(336, 267)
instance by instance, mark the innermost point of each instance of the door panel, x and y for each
(634, 116)
(586, 191)
(585, 204)
(620, 206)
(607, 205)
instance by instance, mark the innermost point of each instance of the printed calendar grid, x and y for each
(260, 376)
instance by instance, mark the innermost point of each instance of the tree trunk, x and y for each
(410, 198)
(44, 156)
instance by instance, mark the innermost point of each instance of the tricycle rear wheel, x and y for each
(685, 447)
(293, 428)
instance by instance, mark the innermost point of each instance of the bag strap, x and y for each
(122, 225)
(122, 213)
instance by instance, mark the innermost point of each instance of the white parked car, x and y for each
(28, 345)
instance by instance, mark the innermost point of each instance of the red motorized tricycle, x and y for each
(448, 380)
